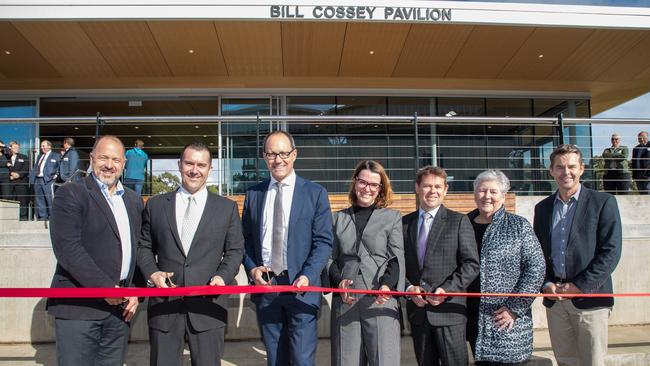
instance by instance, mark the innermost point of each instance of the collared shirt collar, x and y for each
(576, 195)
(289, 180)
(200, 196)
(119, 190)
(432, 212)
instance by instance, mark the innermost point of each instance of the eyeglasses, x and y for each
(374, 187)
(282, 155)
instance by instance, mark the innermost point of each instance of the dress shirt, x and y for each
(41, 164)
(267, 222)
(433, 217)
(116, 203)
(182, 200)
(13, 159)
(563, 213)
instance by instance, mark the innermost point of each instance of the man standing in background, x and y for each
(18, 170)
(136, 164)
(617, 169)
(69, 162)
(41, 177)
(641, 163)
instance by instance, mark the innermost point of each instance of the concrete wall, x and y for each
(28, 261)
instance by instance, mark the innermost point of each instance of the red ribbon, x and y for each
(232, 290)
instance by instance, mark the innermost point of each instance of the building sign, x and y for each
(360, 13)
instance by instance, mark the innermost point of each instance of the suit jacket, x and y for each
(68, 165)
(616, 160)
(217, 249)
(450, 262)
(50, 169)
(381, 242)
(641, 162)
(4, 168)
(87, 246)
(20, 166)
(309, 242)
(594, 247)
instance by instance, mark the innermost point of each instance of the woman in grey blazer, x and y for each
(368, 253)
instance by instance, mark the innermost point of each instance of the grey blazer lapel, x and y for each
(171, 218)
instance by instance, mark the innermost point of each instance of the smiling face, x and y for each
(642, 138)
(431, 191)
(107, 161)
(567, 170)
(367, 187)
(194, 166)
(278, 167)
(45, 147)
(488, 197)
(15, 148)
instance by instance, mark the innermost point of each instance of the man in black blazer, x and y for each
(18, 170)
(69, 162)
(581, 236)
(641, 163)
(95, 227)
(441, 256)
(190, 237)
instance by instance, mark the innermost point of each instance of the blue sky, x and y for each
(635, 108)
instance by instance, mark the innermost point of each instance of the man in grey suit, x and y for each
(441, 256)
(190, 237)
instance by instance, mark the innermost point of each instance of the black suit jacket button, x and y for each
(187, 265)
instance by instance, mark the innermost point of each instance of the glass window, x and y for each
(361, 106)
(18, 109)
(509, 107)
(311, 106)
(553, 107)
(407, 106)
(461, 106)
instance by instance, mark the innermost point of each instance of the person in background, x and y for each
(5, 188)
(69, 162)
(617, 169)
(511, 261)
(136, 165)
(581, 235)
(41, 177)
(18, 171)
(641, 163)
(368, 254)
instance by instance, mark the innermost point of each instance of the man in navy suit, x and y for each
(580, 232)
(287, 227)
(69, 161)
(641, 163)
(42, 176)
(95, 229)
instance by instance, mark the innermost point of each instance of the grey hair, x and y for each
(496, 176)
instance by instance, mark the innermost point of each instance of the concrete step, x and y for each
(26, 239)
(15, 226)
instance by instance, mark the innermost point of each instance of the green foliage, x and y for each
(165, 182)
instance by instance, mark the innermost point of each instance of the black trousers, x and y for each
(20, 193)
(440, 345)
(92, 342)
(206, 348)
(616, 183)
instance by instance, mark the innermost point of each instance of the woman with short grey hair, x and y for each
(500, 329)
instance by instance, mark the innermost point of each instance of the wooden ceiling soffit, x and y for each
(487, 51)
(23, 60)
(67, 47)
(553, 44)
(372, 49)
(632, 65)
(129, 47)
(430, 49)
(596, 54)
(251, 48)
(190, 48)
(312, 48)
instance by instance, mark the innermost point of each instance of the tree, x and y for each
(163, 183)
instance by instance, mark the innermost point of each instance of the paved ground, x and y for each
(628, 346)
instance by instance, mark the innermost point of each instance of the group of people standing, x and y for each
(619, 171)
(103, 236)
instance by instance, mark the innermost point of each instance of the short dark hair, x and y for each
(565, 149)
(286, 134)
(385, 196)
(69, 141)
(198, 146)
(430, 170)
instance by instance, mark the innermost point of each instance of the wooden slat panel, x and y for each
(129, 47)
(631, 64)
(312, 49)
(487, 51)
(430, 49)
(175, 39)
(556, 44)
(251, 49)
(24, 61)
(599, 52)
(67, 47)
(386, 40)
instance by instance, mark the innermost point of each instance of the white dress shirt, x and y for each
(267, 219)
(182, 200)
(42, 163)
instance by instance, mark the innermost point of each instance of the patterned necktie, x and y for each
(423, 235)
(277, 259)
(187, 232)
